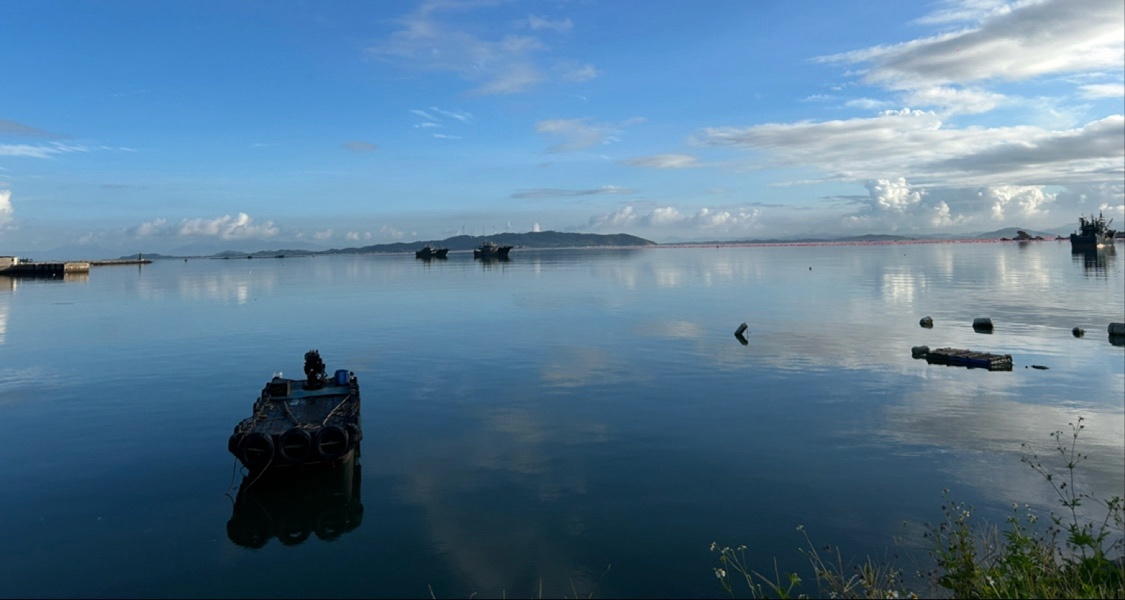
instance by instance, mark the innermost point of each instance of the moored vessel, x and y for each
(301, 422)
(1093, 232)
(429, 251)
(491, 250)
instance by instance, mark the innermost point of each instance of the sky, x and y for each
(138, 126)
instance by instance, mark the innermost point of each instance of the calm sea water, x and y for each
(564, 423)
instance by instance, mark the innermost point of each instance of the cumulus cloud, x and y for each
(496, 62)
(670, 219)
(6, 211)
(240, 227)
(896, 205)
(1021, 200)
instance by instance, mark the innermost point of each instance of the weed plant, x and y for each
(1071, 555)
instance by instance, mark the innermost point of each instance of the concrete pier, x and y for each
(13, 266)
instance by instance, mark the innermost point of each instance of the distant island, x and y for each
(533, 239)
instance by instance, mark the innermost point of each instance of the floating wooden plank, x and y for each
(969, 358)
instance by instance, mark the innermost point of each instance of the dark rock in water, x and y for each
(926, 322)
(920, 351)
(982, 324)
(1078, 332)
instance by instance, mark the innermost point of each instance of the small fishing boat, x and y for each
(301, 422)
(429, 251)
(1092, 232)
(491, 250)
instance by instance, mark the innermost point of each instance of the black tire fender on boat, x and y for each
(232, 443)
(255, 449)
(355, 433)
(295, 445)
(332, 442)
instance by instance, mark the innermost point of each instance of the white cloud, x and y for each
(325, 234)
(561, 26)
(1008, 43)
(1009, 201)
(39, 151)
(577, 73)
(664, 161)
(954, 100)
(671, 220)
(496, 62)
(226, 227)
(580, 134)
(916, 143)
(391, 232)
(1102, 90)
(6, 211)
(558, 193)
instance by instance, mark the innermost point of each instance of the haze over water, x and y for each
(530, 423)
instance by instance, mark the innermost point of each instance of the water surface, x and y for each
(530, 423)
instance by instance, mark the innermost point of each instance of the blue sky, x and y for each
(156, 126)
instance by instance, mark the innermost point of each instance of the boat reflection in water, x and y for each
(1094, 259)
(324, 502)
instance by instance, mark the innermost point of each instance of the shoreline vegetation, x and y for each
(1078, 552)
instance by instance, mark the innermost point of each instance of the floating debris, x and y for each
(982, 324)
(920, 351)
(1116, 329)
(968, 358)
(926, 322)
(1041, 367)
(738, 334)
(1078, 332)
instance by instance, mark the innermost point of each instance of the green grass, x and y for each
(1068, 555)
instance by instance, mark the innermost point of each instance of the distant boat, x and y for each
(429, 251)
(1092, 232)
(491, 250)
